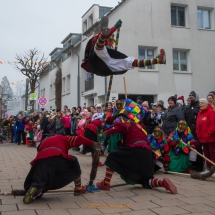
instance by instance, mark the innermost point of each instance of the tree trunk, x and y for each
(32, 86)
(58, 89)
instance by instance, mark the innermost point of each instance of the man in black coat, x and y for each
(172, 115)
(191, 113)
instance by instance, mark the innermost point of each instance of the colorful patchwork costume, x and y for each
(160, 147)
(134, 160)
(179, 154)
(102, 60)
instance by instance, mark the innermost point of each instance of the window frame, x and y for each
(179, 60)
(210, 18)
(146, 48)
(185, 15)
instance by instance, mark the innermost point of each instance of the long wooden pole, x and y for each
(199, 154)
(177, 173)
(125, 87)
(61, 191)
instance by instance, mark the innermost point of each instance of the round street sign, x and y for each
(42, 101)
(33, 96)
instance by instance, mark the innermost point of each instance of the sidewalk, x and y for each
(194, 197)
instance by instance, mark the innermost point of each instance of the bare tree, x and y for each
(32, 65)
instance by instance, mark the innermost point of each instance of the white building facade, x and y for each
(184, 28)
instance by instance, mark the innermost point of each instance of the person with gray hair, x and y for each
(205, 130)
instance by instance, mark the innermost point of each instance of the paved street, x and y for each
(195, 197)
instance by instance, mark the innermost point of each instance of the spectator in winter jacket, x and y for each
(20, 126)
(59, 123)
(211, 101)
(38, 136)
(66, 123)
(191, 113)
(172, 116)
(52, 125)
(151, 119)
(205, 130)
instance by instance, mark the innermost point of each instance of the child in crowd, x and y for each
(2, 137)
(38, 136)
(30, 133)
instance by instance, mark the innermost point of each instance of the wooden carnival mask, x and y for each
(158, 133)
(182, 125)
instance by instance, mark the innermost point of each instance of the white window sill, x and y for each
(204, 29)
(175, 26)
(182, 72)
(148, 70)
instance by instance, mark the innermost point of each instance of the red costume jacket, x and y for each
(205, 125)
(60, 145)
(94, 126)
(133, 136)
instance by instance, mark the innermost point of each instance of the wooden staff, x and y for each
(176, 173)
(23, 192)
(125, 87)
(199, 154)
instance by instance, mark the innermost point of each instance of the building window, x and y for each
(63, 86)
(146, 53)
(178, 16)
(68, 84)
(84, 25)
(180, 61)
(204, 19)
(90, 21)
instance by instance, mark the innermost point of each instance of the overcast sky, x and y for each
(26, 24)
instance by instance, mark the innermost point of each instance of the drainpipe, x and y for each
(78, 78)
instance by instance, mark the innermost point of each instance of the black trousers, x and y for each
(67, 131)
(19, 134)
(12, 135)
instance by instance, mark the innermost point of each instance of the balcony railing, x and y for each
(89, 84)
(74, 40)
(56, 56)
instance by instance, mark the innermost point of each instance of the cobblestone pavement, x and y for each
(194, 197)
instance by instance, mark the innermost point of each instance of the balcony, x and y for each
(56, 54)
(70, 41)
(89, 84)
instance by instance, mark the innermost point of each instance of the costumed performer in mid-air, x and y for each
(101, 59)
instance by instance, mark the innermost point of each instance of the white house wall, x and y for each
(148, 23)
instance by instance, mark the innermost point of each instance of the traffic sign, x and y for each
(33, 96)
(42, 101)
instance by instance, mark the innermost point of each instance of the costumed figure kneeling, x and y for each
(179, 153)
(134, 160)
